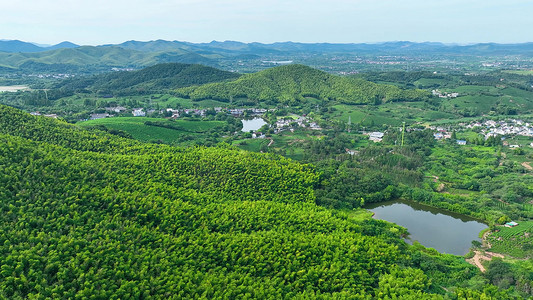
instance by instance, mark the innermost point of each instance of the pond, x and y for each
(445, 231)
(253, 124)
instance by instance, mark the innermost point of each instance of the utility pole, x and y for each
(349, 123)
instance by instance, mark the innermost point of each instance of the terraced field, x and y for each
(515, 241)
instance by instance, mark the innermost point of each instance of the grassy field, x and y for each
(472, 89)
(360, 214)
(253, 145)
(520, 72)
(516, 241)
(481, 104)
(423, 83)
(289, 144)
(183, 131)
(392, 113)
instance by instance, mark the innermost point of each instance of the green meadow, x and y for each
(182, 131)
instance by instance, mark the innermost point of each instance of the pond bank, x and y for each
(443, 230)
(482, 255)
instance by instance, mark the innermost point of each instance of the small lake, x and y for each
(445, 231)
(253, 124)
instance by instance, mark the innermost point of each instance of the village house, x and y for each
(138, 112)
(117, 109)
(438, 136)
(236, 111)
(376, 136)
(175, 113)
(439, 94)
(511, 224)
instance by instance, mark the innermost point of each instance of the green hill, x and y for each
(295, 82)
(96, 59)
(154, 78)
(91, 215)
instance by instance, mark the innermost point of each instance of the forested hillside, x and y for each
(150, 79)
(287, 84)
(86, 214)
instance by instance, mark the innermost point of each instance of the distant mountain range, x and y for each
(234, 48)
(68, 57)
(14, 46)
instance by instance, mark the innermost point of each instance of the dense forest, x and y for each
(293, 83)
(86, 214)
(150, 79)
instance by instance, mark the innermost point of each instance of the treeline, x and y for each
(35, 98)
(494, 189)
(148, 80)
(293, 83)
(86, 214)
(499, 189)
(375, 173)
(406, 78)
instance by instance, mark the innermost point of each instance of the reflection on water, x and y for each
(445, 231)
(253, 124)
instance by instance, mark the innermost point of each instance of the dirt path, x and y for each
(527, 165)
(483, 255)
(484, 240)
(479, 256)
(271, 142)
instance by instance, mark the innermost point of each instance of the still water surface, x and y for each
(253, 124)
(445, 231)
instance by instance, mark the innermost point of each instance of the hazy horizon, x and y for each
(337, 21)
(222, 41)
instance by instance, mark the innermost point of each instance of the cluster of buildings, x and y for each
(239, 112)
(55, 76)
(490, 128)
(441, 134)
(508, 127)
(295, 121)
(236, 112)
(176, 113)
(440, 94)
(136, 112)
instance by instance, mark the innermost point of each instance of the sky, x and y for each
(97, 22)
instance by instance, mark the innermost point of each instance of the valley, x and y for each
(264, 178)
